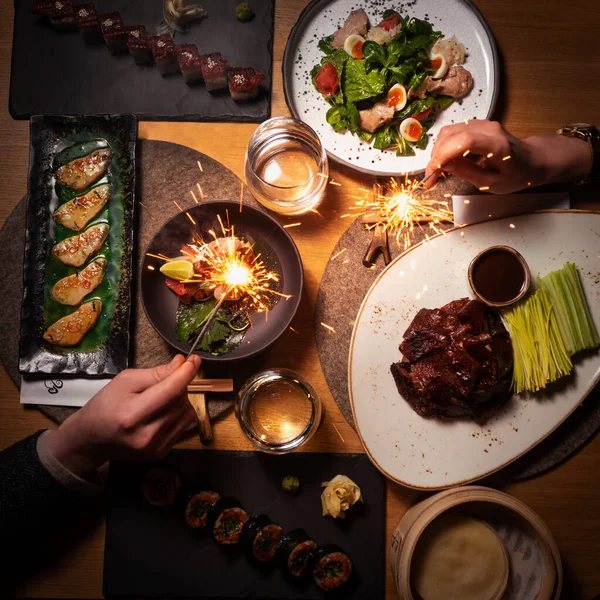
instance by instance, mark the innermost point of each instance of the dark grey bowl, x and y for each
(278, 251)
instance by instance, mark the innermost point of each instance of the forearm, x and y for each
(559, 159)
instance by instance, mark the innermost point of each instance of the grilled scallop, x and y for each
(77, 213)
(83, 172)
(75, 251)
(70, 330)
(73, 289)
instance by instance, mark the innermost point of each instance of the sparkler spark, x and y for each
(296, 332)
(328, 327)
(340, 252)
(401, 211)
(194, 196)
(292, 225)
(200, 167)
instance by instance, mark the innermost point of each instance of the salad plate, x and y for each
(429, 453)
(276, 248)
(321, 18)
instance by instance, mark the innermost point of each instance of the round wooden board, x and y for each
(166, 174)
(343, 287)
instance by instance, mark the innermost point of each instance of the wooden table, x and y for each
(551, 76)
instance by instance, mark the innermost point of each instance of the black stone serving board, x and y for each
(109, 354)
(56, 72)
(152, 553)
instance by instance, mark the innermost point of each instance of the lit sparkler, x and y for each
(399, 209)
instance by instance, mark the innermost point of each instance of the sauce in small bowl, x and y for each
(499, 276)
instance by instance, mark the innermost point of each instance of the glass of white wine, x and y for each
(286, 166)
(278, 411)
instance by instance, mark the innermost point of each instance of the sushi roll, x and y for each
(214, 71)
(87, 19)
(295, 552)
(165, 54)
(332, 568)
(161, 486)
(60, 12)
(261, 538)
(190, 62)
(114, 32)
(226, 519)
(139, 45)
(197, 506)
(244, 82)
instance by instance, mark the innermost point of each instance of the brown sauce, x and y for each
(498, 276)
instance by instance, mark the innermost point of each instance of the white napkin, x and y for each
(59, 392)
(474, 209)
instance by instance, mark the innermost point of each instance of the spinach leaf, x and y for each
(359, 85)
(338, 117)
(422, 143)
(385, 138)
(191, 317)
(417, 79)
(374, 53)
(325, 45)
(442, 102)
(420, 27)
(404, 148)
(415, 107)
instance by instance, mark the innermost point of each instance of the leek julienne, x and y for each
(540, 356)
(572, 313)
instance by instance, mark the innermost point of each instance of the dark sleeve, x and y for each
(33, 504)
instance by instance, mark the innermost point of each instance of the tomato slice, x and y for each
(390, 22)
(177, 286)
(327, 80)
(423, 115)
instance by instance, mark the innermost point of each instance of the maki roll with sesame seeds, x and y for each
(139, 45)
(190, 62)
(165, 54)
(197, 507)
(261, 538)
(295, 553)
(114, 32)
(332, 568)
(226, 520)
(161, 486)
(214, 71)
(244, 82)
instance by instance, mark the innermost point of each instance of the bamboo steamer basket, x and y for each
(485, 504)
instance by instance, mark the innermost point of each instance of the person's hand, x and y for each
(506, 163)
(141, 413)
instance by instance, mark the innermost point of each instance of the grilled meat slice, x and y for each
(75, 251)
(356, 23)
(457, 83)
(71, 290)
(376, 116)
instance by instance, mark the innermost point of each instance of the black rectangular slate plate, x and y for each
(108, 353)
(150, 552)
(56, 72)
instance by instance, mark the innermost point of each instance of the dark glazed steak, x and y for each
(457, 360)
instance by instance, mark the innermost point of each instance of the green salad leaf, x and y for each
(217, 332)
(417, 79)
(191, 317)
(325, 45)
(404, 148)
(358, 84)
(385, 138)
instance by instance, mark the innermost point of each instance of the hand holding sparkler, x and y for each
(504, 163)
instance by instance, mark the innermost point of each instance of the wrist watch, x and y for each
(590, 134)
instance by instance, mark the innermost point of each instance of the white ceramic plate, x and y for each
(324, 17)
(428, 453)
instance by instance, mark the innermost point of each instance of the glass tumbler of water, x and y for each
(286, 166)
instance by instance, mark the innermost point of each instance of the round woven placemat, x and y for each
(166, 173)
(343, 287)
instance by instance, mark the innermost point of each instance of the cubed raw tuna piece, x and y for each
(214, 71)
(138, 45)
(190, 62)
(244, 82)
(165, 54)
(114, 32)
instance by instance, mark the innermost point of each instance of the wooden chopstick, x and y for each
(211, 385)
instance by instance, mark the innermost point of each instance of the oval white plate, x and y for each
(323, 17)
(427, 453)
